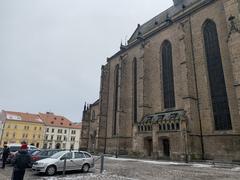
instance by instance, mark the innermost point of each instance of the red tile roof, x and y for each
(48, 119)
(20, 116)
(51, 119)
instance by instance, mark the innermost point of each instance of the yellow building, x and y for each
(17, 127)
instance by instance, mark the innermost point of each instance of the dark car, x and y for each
(1, 151)
(46, 153)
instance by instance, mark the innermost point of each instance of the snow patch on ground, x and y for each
(162, 162)
(202, 165)
(236, 169)
(147, 161)
(90, 176)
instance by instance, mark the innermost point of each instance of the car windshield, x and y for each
(35, 153)
(14, 148)
(58, 154)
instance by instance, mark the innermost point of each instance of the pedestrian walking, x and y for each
(21, 161)
(5, 154)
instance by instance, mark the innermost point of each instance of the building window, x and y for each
(134, 90)
(52, 130)
(73, 132)
(72, 138)
(9, 126)
(23, 135)
(65, 131)
(34, 136)
(13, 135)
(15, 127)
(218, 91)
(167, 75)
(51, 137)
(35, 128)
(59, 137)
(116, 93)
(47, 130)
(65, 138)
(39, 136)
(7, 134)
(40, 128)
(59, 130)
(93, 115)
(46, 137)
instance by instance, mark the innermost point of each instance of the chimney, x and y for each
(177, 2)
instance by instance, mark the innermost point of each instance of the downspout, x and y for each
(197, 93)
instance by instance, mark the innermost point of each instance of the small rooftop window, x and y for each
(70, 124)
(52, 122)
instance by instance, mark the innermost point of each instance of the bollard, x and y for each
(102, 164)
(64, 166)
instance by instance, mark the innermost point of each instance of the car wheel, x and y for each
(85, 168)
(51, 170)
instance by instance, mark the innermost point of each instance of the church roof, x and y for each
(161, 19)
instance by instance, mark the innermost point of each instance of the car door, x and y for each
(78, 160)
(69, 164)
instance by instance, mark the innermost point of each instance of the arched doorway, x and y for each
(58, 146)
(148, 146)
(166, 147)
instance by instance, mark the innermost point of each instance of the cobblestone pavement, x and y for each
(130, 169)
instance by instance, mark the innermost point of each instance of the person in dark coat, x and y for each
(5, 154)
(21, 161)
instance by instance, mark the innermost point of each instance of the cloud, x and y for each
(51, 51)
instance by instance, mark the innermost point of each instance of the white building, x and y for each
(60, 133)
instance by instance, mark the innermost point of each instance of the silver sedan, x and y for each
(75, 160)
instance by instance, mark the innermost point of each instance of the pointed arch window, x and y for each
(116, 93)
(93, 115)
(218, 91)
(134, 63)
(167, 75)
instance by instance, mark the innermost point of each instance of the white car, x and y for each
(75, 160)
(14, 149)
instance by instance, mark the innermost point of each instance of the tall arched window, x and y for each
(134, 63)
(93, 115)
(167, 75)
(116, 92)
(219, 97)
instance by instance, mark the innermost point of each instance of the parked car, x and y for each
(14, 149)
(43, 154)
(1, 151)
(75, 160)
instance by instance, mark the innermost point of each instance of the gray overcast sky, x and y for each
(51, 51)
